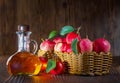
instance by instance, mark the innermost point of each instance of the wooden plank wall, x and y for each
(97, 18)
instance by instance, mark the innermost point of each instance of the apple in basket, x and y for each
(58, 47)
(66, 48)
(62, 47)
(47, 45)
(101, 45)
(71, 36)
(86, 45)
(58, 40)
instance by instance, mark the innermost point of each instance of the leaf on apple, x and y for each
(66, 29)
(52, 34)
(50, 65)
(74, 46)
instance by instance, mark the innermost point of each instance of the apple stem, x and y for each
(78, 30)
(104, 36)
(42, 40)
(87, 36)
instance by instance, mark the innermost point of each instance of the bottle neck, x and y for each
(23, 41)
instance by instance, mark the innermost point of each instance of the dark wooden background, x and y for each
(97, 18)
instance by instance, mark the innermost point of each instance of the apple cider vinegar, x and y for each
(24, 62)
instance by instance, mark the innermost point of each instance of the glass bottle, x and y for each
(24, 62)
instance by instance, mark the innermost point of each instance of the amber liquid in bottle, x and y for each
(24, 62)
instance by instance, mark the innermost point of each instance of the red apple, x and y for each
(86, 45)
(47, 45)
(58, 40)
(71, 36)
(101, 45)
(58, 69)
(43, 61)
(62, 47)
(66, 48)
(58, 47)
(64, 40)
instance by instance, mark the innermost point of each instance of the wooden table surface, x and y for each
(113, 77)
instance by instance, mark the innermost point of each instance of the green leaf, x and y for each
(50, 65)
(66, 29)
(52, 34)
(74, 46)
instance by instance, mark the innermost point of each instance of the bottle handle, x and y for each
(35, 46)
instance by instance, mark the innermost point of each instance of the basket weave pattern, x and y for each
(83, 64)
(87, 63)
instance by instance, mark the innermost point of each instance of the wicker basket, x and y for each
(82, 64)
(87, 63)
